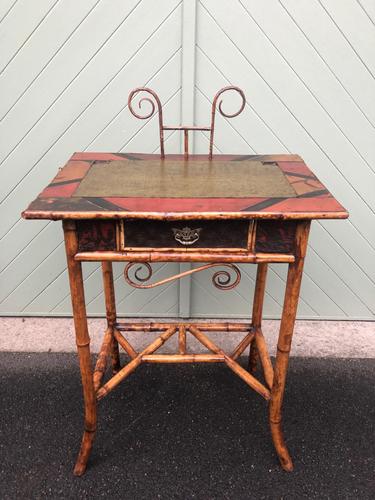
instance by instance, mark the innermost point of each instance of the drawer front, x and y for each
(188, 234)
(98, 235)
(273, 236)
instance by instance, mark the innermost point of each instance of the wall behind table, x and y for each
(307, 69)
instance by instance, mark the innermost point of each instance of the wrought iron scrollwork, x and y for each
(138, 277)
(152, 102)
(155, 99)
(221, 279)
(226, 115)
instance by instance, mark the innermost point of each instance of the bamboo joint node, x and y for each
(284, 351)
(82, 344)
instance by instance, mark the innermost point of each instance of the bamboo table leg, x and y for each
(284, 344)
(83, 345)
(110, 305)
(260, 287)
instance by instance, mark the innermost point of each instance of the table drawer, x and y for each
(186, 234)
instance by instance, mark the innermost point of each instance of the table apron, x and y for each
(234, 237)
(183, 257)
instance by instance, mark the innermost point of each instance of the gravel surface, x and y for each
(186, 431)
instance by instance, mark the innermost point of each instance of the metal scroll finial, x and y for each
(185, 129)
(226, 115)
(136, 91)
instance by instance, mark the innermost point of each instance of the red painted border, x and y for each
(312, 196)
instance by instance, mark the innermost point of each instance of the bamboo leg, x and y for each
(83, 345)
(101, 362)
(110, 305)
(284, 344)
(260, 287)
(264, 357)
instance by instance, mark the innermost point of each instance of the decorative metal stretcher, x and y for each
(217, 210)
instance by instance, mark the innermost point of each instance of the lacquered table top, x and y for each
(114, 185)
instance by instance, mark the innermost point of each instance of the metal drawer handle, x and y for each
(186, 236)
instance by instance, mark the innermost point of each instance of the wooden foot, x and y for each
(288, 317)
(84, 453)
(280, 446)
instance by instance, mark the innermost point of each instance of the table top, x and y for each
(133, 185)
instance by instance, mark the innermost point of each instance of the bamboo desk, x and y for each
(226, 210)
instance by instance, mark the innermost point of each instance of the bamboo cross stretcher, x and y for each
(168, 330)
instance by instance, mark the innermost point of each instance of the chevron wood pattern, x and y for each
(64, 88)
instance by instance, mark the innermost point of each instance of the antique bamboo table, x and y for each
(216, 210)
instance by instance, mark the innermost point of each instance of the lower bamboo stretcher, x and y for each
(167, 330)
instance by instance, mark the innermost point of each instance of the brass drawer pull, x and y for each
(186, 236)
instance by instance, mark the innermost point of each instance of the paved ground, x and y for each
(193, 431)
(338, 339)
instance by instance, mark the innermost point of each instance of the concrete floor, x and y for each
(312, 338)
(186, 431)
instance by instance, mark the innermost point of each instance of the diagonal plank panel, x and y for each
(297, 101)
(295, 97)
(309, 90)
(35, 54)
(338, 54)
(274, 146)
(301, 57)
(20, 21)
(92, 113)
(107, 95)
(356, 27)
